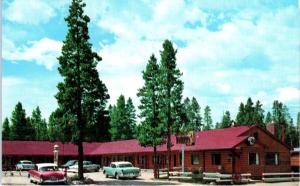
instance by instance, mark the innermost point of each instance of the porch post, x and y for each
(182, 157)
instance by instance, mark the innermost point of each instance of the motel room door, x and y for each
(143, 162)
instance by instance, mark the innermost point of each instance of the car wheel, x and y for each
(106, 175)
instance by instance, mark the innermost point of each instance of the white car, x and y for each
(24, 165)
(88, 166)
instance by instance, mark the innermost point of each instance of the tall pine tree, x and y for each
(298, 122)
(82, 95)
(268, 118)
(207, 120)
(60, 126)
(6, 130)
(170, 94)
(192, 120)
(149, 132)
(122, 119)
(226, 120)
(21, 128)
(131, 116)
(39, 125)
(240, 117)
(250, 114)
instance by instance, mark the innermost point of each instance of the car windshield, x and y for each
(125, 165)
(71, 162)
(87, 162)
(26, 162)
(48, 168)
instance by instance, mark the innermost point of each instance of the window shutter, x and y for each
(276, 158)
(257, 159)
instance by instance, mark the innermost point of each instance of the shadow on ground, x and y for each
(132, 182)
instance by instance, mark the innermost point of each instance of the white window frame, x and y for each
(256, 158)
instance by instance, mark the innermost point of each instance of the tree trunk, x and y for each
(168, 153)
(168, 133)
(80, 160)
(79, 119)
(155, 164)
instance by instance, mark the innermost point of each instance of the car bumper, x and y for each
(131, 175)
(55, 181)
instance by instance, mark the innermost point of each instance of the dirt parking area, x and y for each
(99, 179)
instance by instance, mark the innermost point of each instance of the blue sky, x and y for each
(227, 50)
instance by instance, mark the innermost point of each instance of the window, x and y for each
(113, 166)
(272, 158)
(216, 159)
(253, 158)
(142, 160)
(195, 159)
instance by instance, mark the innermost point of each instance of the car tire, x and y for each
(106, 175)
(117, 176)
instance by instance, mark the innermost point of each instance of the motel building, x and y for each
(243, 149)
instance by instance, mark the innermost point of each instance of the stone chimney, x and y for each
(272, 128)
(277, 130)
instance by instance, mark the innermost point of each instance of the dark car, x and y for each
(69, 163)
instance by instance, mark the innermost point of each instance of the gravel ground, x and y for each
(99, 178)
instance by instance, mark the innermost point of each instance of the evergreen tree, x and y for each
(258, 115)
(187, 115)
(250, 114)
(81, 96)
(284, 122)
(191, 117)
(226, 120)
(249, 110)
(278, 117)
(60, 126)
(298, 121)
(240, 117)
(122, 120)
(6, 130)
(21, 128)
(217, 125)
(196, 119)
(149, 132)
(207, 119)
(268, 118)
(170, 94)
(39, 125)
(131, 117)
(278, 113)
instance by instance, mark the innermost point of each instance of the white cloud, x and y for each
(223, 87)
(211, 61)
(43, 52)
(29, 11)
(32, 11)
(286, 94)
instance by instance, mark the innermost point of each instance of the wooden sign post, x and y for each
(185, 138)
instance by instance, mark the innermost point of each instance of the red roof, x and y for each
(226, 138)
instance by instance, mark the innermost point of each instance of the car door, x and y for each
(112, 169)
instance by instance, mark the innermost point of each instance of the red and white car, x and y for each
(47, 173)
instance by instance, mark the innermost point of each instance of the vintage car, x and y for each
(69, 163)
(88, 166)
(122, 169)
(46, 173)
(24, 165)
